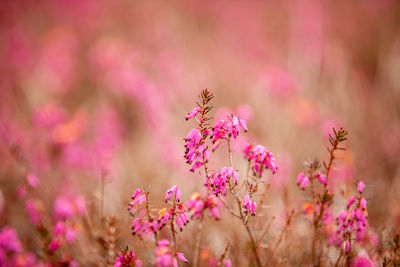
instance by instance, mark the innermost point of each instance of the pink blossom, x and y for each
(53, 246)
(9, 241)
(321, 178)
(174, 190)
(164, 256)
(222, 178)
(32, 211)
(127, 259)
(260, 158)
(33, 180)
(351, 202)
(225, 129)
(64, 208)
(360, 187)
(304, 183)
(249, 205)
(196, 153)
(192, 113)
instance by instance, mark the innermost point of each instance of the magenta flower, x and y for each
(222, 178)
(173, 191)
(224, 129)
(127, 259)
(260, 158)
(137, 200)
(33, 212)
(360, 187)
(197, 205)
(32, 180)
(164, 256)
(196, 153)
(192, 113)
(9, 241)
(249, 205)
(302, 180)
(321, 178)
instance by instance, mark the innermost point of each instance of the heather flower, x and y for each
(9, 241)
(222, 178)
(32, 180)
(249, 205)
(352, 220)
(165, 257)
(129, 259)
(63, 208)
(302, 180)
(196, 153)
(360, 187)
(173, 191)
(260, 158)
(197, 205)
(321, 178)
(32, 211)
(225, 129)
(192, 113)
(137, 200)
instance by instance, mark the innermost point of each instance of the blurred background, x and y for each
(97, 88)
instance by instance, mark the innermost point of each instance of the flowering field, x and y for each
(199, 133)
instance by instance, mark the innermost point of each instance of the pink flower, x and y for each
(64, 208)
(9, 241)
(127, 259)
(33, 180)
(53, 246)
(222, 178)
(249, 205)
(196, 153)
(360, 187)
(304, 183)
(261, 158)
(363, 203)
(32, 211)
(321, 178)
(224, 129)
(164, 256)
(351, 202)
(173, 191)
(192, 113)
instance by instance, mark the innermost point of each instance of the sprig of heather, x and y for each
(197, 153)
(321, 201)
(352, 225)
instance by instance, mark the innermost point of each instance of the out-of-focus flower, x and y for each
(196, 205)
(32, 211)
(9, 241)
(164, 256)
(360, 187)
(125, 258)
(32, 180)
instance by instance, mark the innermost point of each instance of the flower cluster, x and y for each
(127, 259)
(221, 179)
(303, 180)
(352, 220)
(260, 158)
(165, 257)
(138, 199)
(197, 205)
(196, 152)
(249, 205)
(173, 191)
(225, 129)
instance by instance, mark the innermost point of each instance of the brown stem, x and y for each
(197, 242)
